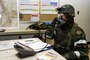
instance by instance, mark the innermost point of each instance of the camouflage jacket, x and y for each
(71, 43)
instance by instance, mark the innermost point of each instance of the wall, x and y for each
(83, 18)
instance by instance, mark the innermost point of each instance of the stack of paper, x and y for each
(29, 41)
(38, 46)
(34, 44)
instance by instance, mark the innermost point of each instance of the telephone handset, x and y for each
(23, 51)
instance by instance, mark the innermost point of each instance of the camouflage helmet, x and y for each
(66, 9)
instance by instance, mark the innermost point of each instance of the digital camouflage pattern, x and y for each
(68, 41)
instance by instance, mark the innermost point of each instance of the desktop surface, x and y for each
(10, 54)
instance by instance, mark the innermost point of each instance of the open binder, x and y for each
(36, 45)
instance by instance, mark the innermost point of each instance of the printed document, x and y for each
(38, 46)
(6, 45)
(34, 43)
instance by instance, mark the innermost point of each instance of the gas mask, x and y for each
(62, 18)
(67, 19)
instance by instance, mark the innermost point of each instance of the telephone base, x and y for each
(22, 56)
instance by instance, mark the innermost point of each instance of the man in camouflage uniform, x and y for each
(70, 39)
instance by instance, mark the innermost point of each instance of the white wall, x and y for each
(83, 18)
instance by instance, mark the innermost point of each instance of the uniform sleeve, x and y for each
(80, 47)
(50, 30)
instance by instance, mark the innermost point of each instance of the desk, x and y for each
(10, 54)
(20, 32)
(10, 32)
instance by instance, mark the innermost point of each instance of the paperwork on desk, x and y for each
(47, 56)
(6, 45)
(36, 45)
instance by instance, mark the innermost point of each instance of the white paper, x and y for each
(6, 45)
(26, 42)
(46, 56)
(49, 6)
(34, 18)
(38, 46)
(34, 43)
(29, 6)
